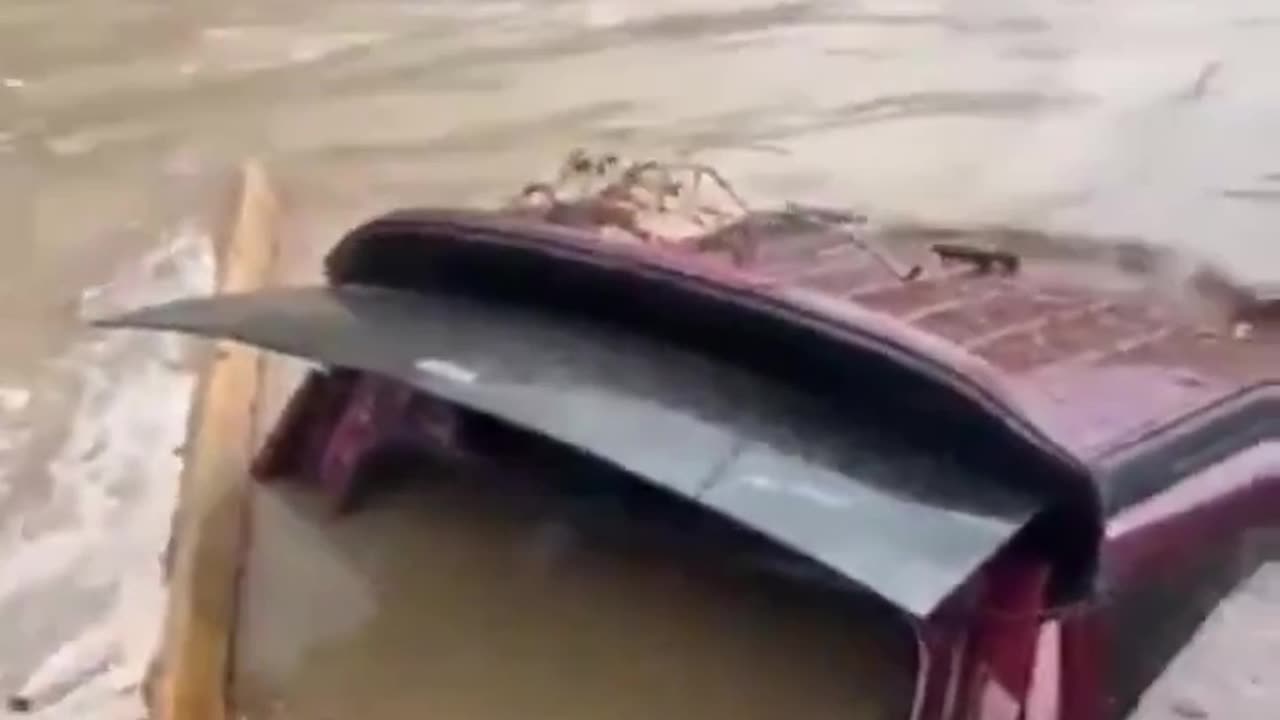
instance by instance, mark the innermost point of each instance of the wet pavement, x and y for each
(1150, 119)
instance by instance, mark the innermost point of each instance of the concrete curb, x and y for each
(189, 678)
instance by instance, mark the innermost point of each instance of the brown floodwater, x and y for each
(1148, 119)
(474, 597)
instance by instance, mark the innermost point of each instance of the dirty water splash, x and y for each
(80, 564)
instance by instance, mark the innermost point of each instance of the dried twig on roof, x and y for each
(646, 201)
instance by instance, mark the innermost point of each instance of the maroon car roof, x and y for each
(1094, 369)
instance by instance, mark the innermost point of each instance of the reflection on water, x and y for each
(1150, 118)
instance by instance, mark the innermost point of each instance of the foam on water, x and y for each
(105, 521)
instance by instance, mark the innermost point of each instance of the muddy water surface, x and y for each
(1153, 119)
(468, 597)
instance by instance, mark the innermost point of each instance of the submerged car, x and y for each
(1043, 475)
